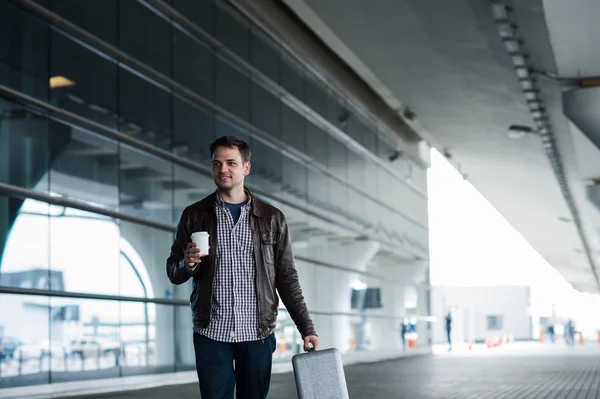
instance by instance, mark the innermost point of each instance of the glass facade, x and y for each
(112, 113)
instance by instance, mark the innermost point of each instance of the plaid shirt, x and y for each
(234, 312)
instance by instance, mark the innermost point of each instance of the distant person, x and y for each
(567, 333)
(571, 325)
(403, 331)
(449, 330)
(234, 300)
(551, 332)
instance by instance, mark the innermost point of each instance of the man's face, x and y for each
(228, 168)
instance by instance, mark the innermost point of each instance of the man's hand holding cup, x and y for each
(196, 249)
(192, 255)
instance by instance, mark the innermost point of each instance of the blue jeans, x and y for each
(217, 375)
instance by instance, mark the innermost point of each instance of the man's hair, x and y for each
(232, 142)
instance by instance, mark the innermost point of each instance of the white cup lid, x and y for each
(201, 233)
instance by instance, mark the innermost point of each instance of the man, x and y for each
(449, 330)
(403, 332)
(234, 300)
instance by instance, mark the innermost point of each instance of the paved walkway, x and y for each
(523, 371)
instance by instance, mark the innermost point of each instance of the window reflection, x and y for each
(85, 339)
(289, 341)
(24, 147)
(147, 338)
(28, 225)
(142, 260)
(25, 345)
(73, 259)
(85, 333)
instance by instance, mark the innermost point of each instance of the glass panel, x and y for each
(291, 77)
(371, 178)
(145, 110)
(21, 223)
(266, 166)
(265, 55)
(142, 261)
(200, 12)
(371, 212)
(144, 36)
(232, 89)
(194, 130)
(84, 252)
(201, 186)
(316, 97)
(388, 184)
(84, 339)
(318, 189)
(289, 340)
(370, 141)
(193, 63)
(84, 166)
(385, 150)
(294, 178)
(226, 128)
(266, 111)
(24, 155)
(317, 144)
(147, 338)
(338, 197)
(293, 129)
(145, 184)
(23, 51)
(98, 17)
(339, 115)
(232, 30)
(184, 344)
(356, 129)
(90, 85)
(356, 176)
(338, 158)
(24, 339)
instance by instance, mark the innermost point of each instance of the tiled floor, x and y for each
(520, 371)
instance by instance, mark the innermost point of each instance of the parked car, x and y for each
(40, 350)
(8, 346)
(93, 347)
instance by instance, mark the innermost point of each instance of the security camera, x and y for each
(516, 132)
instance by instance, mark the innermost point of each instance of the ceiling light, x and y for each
(499, 11)
(518, 59)
(530, 94)
(512, 46)
(505, 30)
(60, 81)
(522, 72)
(516, 132)
(526, 84)
(534, 105)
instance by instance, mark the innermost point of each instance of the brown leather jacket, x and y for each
(275, 266)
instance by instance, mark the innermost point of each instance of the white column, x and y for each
(332, 288)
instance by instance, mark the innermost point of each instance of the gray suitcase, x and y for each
(320, 375)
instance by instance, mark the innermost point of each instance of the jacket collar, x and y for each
(209, 203)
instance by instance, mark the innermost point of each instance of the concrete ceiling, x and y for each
(445, 61)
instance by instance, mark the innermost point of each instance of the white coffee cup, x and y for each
(201, 240)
